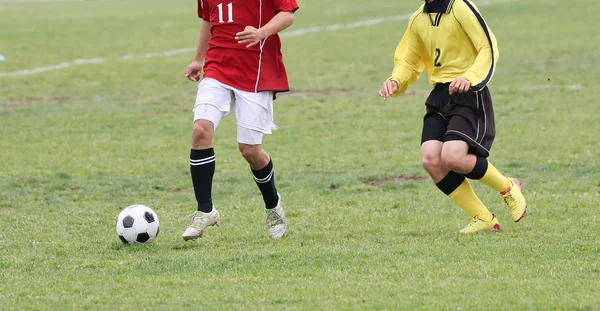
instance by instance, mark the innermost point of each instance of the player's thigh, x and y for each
(254, 115)
(431, 152)
(249, 136)
(214, 101)
(434, 127)
(472, 121)
(454, 149)
(468, 128)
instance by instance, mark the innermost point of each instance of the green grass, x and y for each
(76, 144)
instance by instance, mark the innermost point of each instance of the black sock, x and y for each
(265, 180)
(450, 182)
(202, 167)
(479, 170)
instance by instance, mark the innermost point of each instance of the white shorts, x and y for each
(253, 111)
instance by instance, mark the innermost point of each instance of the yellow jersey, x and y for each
(450, 39)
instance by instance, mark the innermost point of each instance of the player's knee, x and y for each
(249, 152)
(452, 159)
(202, 132)
(431, 162)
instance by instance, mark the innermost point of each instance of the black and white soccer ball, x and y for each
(137, 224)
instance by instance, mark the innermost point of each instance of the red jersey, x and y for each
(254, 69)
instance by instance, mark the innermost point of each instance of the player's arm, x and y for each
(482, 70)
(194, 70)
(252, 36)
(407, 66)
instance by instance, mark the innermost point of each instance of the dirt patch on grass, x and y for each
(574, 165)
(400, 178)
(50, 100)
(171, 191)
(7, 209)
(20, 103)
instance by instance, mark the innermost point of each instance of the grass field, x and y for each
(367, 228)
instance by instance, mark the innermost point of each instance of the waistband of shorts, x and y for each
(438, 85)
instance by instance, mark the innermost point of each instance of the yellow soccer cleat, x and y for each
(477, 225)
(515, 201)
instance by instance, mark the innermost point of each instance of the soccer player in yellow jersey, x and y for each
(451, 40)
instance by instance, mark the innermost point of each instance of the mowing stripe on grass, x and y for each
(287, 34)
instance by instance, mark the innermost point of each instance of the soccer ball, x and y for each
(137, 224)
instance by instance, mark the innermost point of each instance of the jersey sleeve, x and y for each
(285, 5)
(203, 10)
(483, 40)
(408, 65)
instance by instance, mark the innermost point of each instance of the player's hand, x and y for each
(250, 35)
(388, 88)
(459, 85)
(193, 71)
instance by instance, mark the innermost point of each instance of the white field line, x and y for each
(359, 24)
(76, 62)
(287, 34)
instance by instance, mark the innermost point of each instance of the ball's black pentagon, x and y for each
(149, 217)
(128, 222)
(122, 239)
(157, 230)
(143, 237)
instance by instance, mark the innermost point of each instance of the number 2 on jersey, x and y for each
(437, 58)
(229, 12)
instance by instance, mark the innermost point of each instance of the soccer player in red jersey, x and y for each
(240, 53)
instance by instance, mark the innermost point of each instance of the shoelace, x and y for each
(509, 200)
(473, 222)
(274, 219)
(186, 217)
(202, 221)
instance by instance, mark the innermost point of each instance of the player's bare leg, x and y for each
(262, 170)
(457, 188)
(202, 168)
(202, 134)
(431, 158)
(255, 155)
(455, 156)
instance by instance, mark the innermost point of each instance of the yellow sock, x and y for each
(466, 199)
(494, 179)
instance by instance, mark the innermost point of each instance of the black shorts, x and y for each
(460, 116)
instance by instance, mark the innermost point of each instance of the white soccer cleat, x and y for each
(201, 221)
(276, 222)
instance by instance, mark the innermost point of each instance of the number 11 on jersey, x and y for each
(229, 11)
